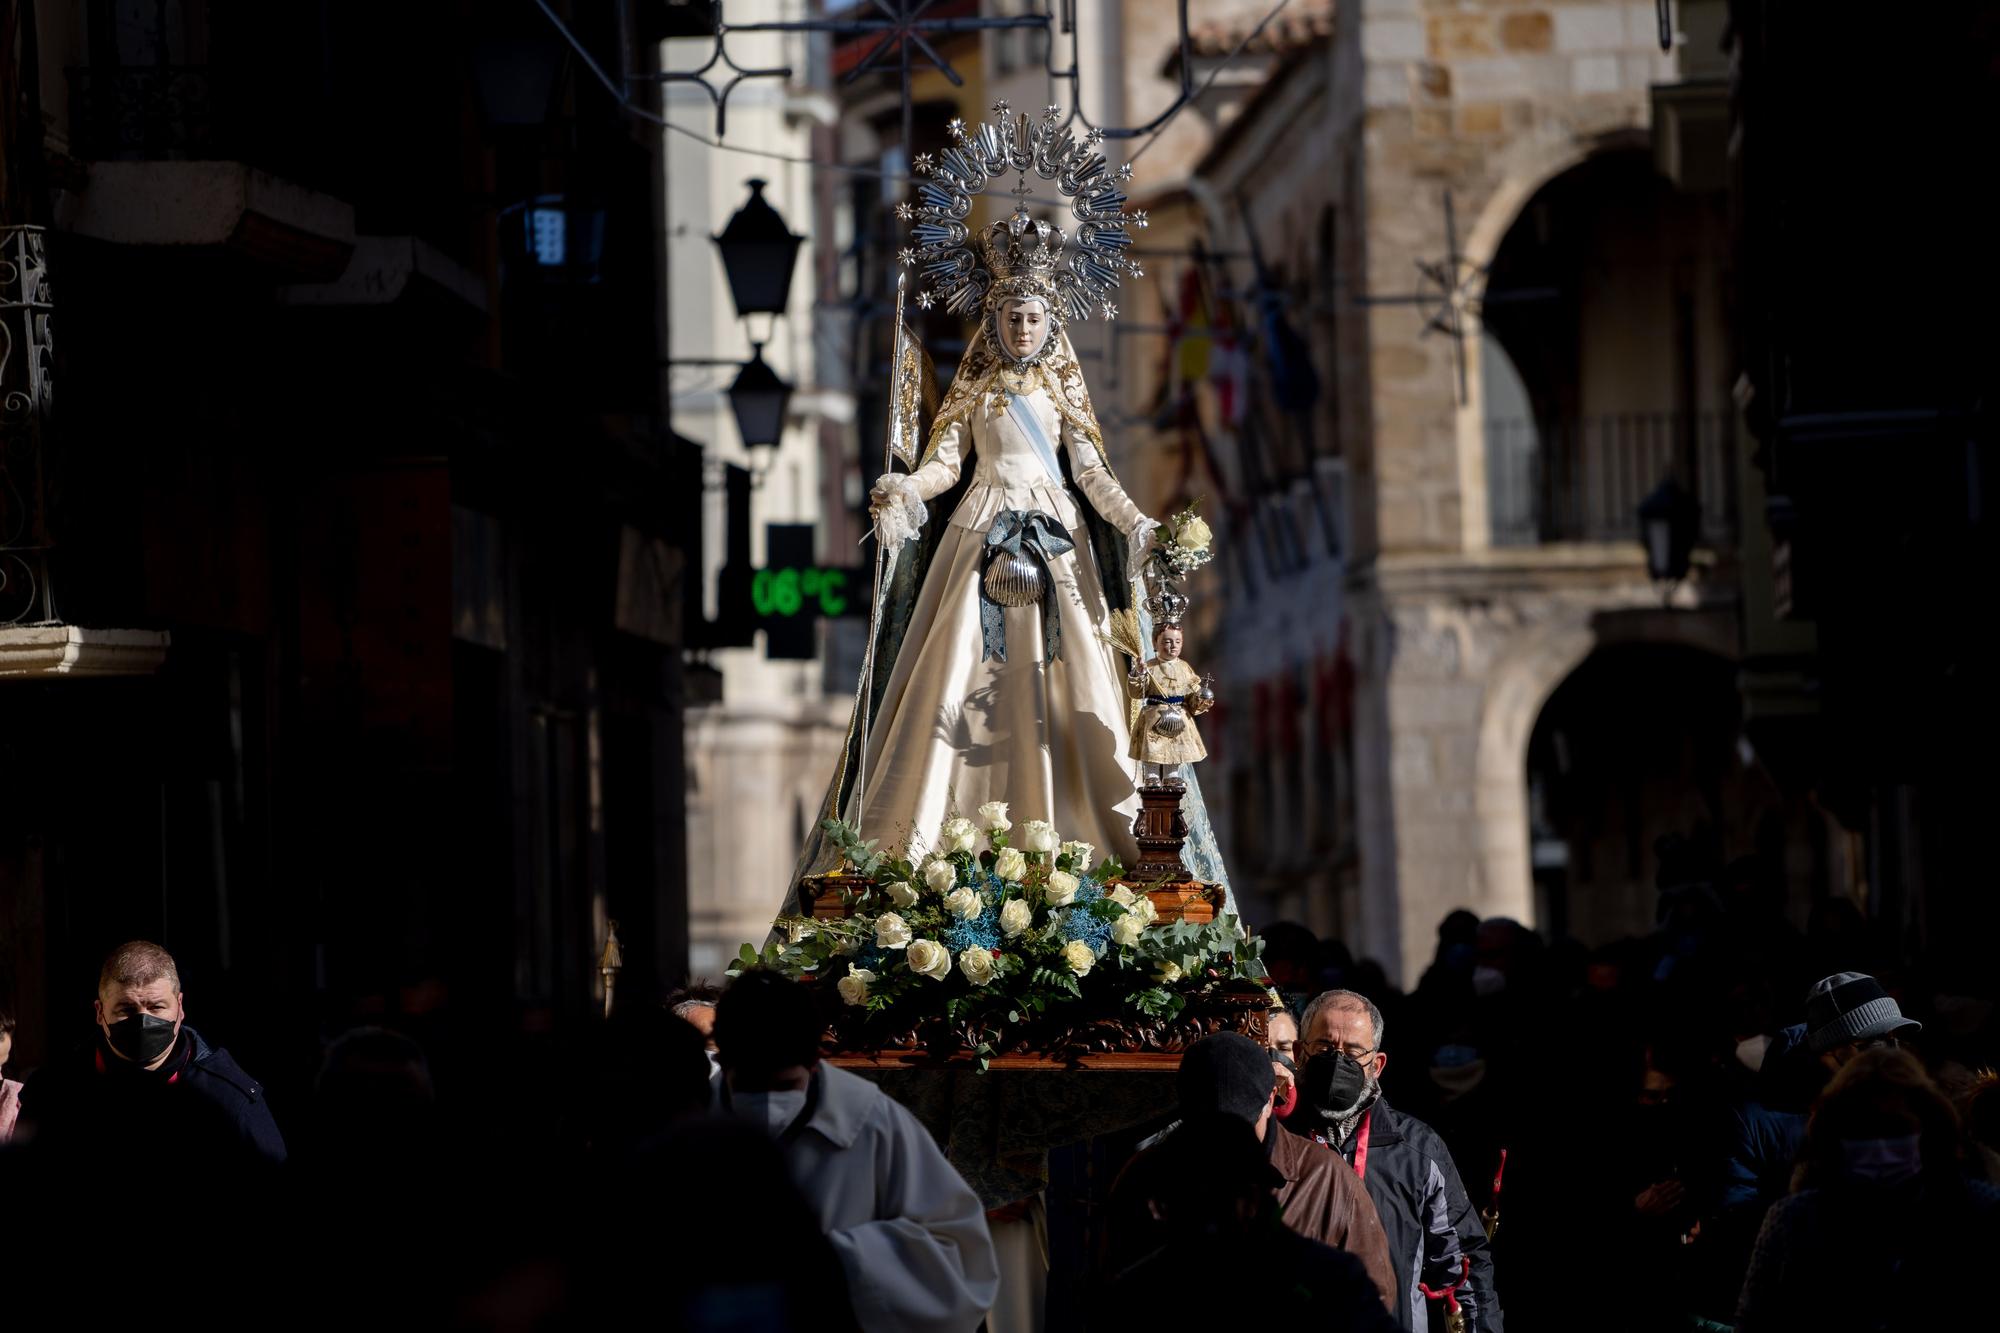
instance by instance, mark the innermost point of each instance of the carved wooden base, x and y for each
(1103, 1041)
(1184, 898)
(1190, 901)
(1161, 830)
(830, 897)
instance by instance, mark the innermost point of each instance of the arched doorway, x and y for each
(1603, 355)
(1636, 758)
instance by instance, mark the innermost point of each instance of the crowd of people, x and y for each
(1727, 1124)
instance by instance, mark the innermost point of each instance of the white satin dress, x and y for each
(1049, 738)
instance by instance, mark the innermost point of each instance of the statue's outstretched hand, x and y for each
(897, 508)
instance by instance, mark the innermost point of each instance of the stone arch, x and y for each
(1526, 672)
(1526, 166)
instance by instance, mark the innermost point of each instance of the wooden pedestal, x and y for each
(1161, 830)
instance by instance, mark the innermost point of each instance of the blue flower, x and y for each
(1075, 925)
(982, 932)
(870, 959)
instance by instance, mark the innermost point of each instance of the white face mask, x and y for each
(773, 1112)
(1488, 981)
(1883, 1161)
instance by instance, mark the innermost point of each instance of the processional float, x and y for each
(1023, 734)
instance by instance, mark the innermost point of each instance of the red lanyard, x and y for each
(1361, 1145)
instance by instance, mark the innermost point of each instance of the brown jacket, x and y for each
(1322, 1199)
(1325, 1201)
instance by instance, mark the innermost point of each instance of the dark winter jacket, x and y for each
(1858, 1257)
(1428, 1217)
(1320, 1199)
(1267, 1277)
(200, 1103)
(1763, 1132)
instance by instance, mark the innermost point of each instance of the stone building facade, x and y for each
(1500, 230)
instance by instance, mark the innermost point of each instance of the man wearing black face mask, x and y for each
(149, 1069)
(1436, 1241)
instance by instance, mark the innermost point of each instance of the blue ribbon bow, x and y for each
(1018, 531)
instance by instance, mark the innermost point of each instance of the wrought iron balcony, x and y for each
(25, 395)
(1581, 479)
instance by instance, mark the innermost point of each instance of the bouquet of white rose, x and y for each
(1181, 544)
(987, 942)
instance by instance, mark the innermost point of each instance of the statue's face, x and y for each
(1170, 644)
(1023, 327)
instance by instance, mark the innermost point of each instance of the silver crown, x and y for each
(1167, 607)
(946, 248)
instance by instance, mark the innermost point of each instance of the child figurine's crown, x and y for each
(1167, 608)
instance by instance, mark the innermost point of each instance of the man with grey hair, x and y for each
(148, 1074)
(1436, 1241)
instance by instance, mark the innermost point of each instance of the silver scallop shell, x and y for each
(1014, 580)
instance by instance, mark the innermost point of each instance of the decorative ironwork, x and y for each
(1449, 295)
(27, 393)
(901, 29)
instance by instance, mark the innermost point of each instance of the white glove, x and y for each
(1138, 545)
(898, 509)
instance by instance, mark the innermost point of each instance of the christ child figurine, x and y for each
(1172, 695)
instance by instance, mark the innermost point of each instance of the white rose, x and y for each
(1193, 535)
(900, 893)
(1167, 973)
(1010, 864)
(854, 986)
(1016, 916)
(1039, 835)
(957, 835)
(1079, 854)
(940, 875)
(928, 958)
(1079, 957)
(964, 903)
(1127, 929)
(1061, 888)
(977, 964)
(891, 931)
(1122, 896)
(1145, 911)
(994, 816)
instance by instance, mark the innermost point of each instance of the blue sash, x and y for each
(1024, 416)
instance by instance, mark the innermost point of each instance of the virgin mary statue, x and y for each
(991, 676)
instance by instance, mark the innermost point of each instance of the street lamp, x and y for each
(758, 253)
(1668, 523)
(758, 398)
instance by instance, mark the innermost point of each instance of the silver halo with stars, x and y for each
(944, 243)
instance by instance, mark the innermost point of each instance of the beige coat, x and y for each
(1164, 679)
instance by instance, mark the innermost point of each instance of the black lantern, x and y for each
(1669, 521)
(758, 253)
(515, 75)
(758, 398)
